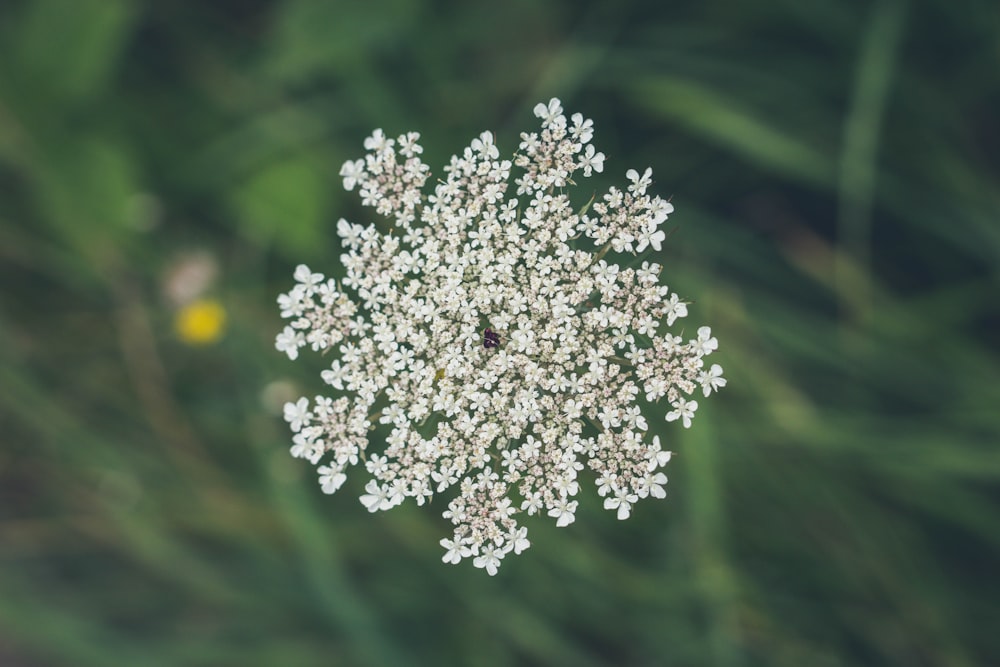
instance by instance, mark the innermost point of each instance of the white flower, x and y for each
(646, 326)
(622, 502)
(350, 233)
(650, 236)
(289, 341)
(658, 457)
(583, 129)
(519, 540)
(549, 113)
(408, 145)
(639, 183)
(591, 161)
(378, 142)
(297, 414)
(377, 497)
(308, 279)
(605, 485)
(683, 410)
(533, 504)
(655, 482)
(712, 380)
(291, 304)
(493, 343)
(484, 146)
(352, 172)
(706, 343)
(564, 513)
(489, 558)
(455, 551)
(331, 479)
(675, 309)
(659, 210)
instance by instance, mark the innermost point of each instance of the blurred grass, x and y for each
(835, 174)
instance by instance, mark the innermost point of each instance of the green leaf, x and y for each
(86, 186)
(286, 202)
(69, 49)
(724, 121)
(315, 37)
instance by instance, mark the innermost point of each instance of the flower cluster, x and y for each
(488, 334)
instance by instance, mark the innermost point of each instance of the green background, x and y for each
(836, 175)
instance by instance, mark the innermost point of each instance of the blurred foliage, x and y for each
(834, 167)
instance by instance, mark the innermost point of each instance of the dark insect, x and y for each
(491, 338)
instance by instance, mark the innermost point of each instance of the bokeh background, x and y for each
(165, 165)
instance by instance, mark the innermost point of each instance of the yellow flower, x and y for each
(200, 322)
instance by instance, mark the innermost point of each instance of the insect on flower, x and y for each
(490, 338)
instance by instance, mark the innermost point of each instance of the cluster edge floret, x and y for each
(490, 336)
